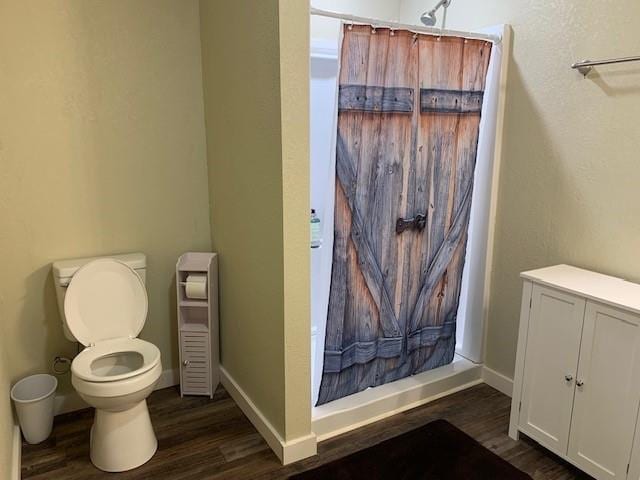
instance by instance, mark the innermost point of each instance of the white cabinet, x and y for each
(577, 379)
(198, 324)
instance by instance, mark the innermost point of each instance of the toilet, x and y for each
(103, 302)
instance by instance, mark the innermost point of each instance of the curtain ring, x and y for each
(350, 26)
(373, 30)
(392, 32)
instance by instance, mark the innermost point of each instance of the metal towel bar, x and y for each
(586, 66)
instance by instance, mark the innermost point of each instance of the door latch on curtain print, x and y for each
(419, 222)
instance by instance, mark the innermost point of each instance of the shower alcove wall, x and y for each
(466, 369)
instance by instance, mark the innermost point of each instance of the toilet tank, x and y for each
(64, 270)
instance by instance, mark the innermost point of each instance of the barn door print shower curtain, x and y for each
(408, 117)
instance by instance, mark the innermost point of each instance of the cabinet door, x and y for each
(551, 361)
(195, 370)
(607, 392)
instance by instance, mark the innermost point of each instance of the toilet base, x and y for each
(122, 440)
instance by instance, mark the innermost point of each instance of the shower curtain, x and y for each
(408, 117)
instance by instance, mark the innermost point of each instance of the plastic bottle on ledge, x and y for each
(316, 231)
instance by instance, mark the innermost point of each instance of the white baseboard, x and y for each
(72, 402)
(287, 452)
(299, 449)
(16, 461)
(500, 382)
(363, 408)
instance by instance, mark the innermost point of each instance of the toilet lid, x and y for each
(105, 299)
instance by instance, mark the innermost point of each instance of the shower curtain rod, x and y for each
(401, 26)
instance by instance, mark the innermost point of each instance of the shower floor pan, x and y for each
(373, 404)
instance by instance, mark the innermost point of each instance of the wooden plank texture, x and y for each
(375, 99)
(394, 297)
(345, 277)
(434, 100)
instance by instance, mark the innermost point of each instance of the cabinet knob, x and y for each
(580, 383)
(568, 377)
(186, 363)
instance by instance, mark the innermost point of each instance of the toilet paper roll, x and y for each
(196, 287)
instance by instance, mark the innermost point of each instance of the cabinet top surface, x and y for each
(596, 286)
(195, 261)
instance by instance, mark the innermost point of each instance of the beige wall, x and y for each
(294, 94)
(570, 176)
(323, 28)
(256, 119)
(6, 414)
(102, 150)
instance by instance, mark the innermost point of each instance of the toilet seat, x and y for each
(106, 299)
(84, 364)
(106, 307)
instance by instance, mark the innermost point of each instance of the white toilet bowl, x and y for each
(116, 377)
(105, 308)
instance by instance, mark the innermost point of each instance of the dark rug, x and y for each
(436, 451)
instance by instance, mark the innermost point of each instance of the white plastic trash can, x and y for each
(33, 397)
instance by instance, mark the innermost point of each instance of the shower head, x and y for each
(429, 18)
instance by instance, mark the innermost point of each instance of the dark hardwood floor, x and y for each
(211, 439)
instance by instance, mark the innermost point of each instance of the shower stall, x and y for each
(323, 123)
(401, 391)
